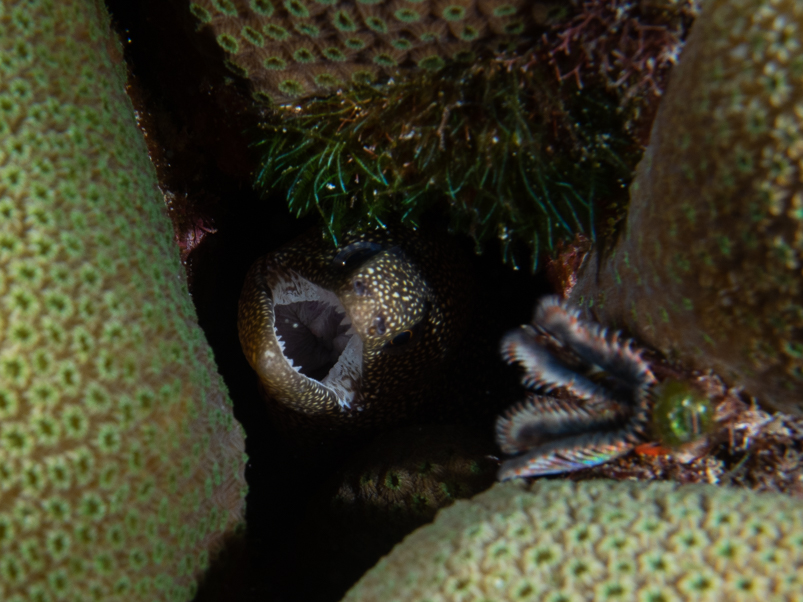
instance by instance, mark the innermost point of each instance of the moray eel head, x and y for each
(386, 300)
(348, 333)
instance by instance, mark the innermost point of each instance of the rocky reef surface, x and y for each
(708, 265)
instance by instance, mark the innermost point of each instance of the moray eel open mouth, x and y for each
(350, 335)
(315, 335)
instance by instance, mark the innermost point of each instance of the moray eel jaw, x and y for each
(350, 337)
(298, 337)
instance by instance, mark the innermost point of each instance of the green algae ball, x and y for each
(681, 414)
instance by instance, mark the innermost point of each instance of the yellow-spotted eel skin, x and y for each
(351, 337)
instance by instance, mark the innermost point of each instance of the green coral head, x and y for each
(681, 414)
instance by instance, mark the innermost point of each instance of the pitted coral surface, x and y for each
(121, 467)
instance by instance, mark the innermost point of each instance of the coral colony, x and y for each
(121, 465)
(501, 110)
(599, 540)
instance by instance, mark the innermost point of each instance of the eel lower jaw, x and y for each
(316, 338)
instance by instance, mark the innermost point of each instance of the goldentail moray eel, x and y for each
(349, 337)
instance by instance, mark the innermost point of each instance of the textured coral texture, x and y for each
(709, 266)
(599, 540)
(121, 466)
(295, 48)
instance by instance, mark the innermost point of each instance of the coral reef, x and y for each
(298, 48)
(388, 489)
(121, 467)
(529, 143)
(707, 268)
(516, 159)
(601, 540)
(349, 337)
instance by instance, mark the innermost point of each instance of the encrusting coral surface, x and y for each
(708, 267)
(599, 540)
(121, 466)
(298, 48)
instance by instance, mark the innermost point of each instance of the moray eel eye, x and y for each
(359, 288)
(402, 338)
(407, 340)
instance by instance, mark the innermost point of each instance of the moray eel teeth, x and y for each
(314, 336)
(351, 337)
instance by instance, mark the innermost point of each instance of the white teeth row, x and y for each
(346, 322)
(281, 346)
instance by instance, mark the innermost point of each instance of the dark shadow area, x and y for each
(200, 122)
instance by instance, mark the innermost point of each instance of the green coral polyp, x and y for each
(292, 87)
(307, 29)
(253, 36)
(228, 43)
(354, 43)
(506, 10)
(276, 32)
(402, 44)
(200, 13)
(385, 60)
(469, 33)
(514, 28)
(264, 8)
(327, 80)
(407, 15)
(454, 13)
(67, 267)
(431, 63)
(343, 22)
(296, 8)
(304, 55)
(225, 7)
(333, 53)
(377, 24)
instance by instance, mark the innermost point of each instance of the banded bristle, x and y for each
(567, 455)
(597, 424)
(592, 344)
(541, 418)
(541, 367)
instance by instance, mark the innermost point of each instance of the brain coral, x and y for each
(298, 48)
(709, 265)
(121, 467)
(599, 540)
